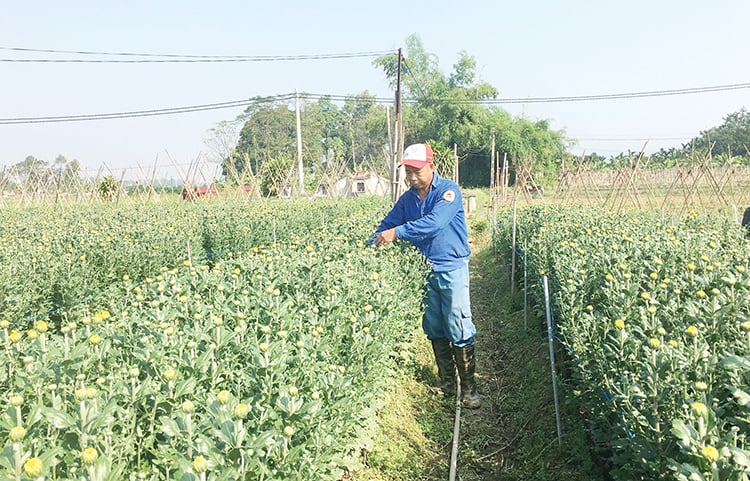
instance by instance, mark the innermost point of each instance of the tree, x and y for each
(269, 132)
(449, 110)
(730, 138)
(108, 188)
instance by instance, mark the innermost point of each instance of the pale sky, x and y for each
(529, 49)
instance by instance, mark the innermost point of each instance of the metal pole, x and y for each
(525, 285)
(299, 145)
(456, 429)
(552, 358)
(513, 255)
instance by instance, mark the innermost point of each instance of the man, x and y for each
(430, 215)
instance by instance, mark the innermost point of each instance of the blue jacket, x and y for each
(436, 226)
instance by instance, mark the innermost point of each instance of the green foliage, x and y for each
(355, 134)
(655, 313)
(108, 188)
(275, 174)
(731, 138)
(351, 135)
(268, 362)
(464, 121)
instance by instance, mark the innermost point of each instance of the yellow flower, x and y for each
(745, 326)
(701, 386)
(223, 396)
(367, 308)
(16, 401)
(653, 275)
(699, 409)
(692, 331)
(33, 467)
(200, 464)
(288, 431)
(701, 294)
(645, 295)
(188, 407)
(14, 336)
(263, 346)
(41, 326)
(169, 374)
(89, 455)
(590, 308)
(241, 411)
(609, 277)
(710, 453)
(654, 342)
(95, 339)
(17, 433)
(690, 266)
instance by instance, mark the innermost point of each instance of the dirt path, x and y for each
(513, 436)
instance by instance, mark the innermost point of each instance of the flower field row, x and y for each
(656, 314)
(261, 355)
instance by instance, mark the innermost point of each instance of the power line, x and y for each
(175, 58)
(143, 113)
(379, 100)
(632, 139)
(614, 96)
(416, 82)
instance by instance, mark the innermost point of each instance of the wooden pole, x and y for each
(455, 163)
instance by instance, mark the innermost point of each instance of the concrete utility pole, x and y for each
(398, 141)
(299, 146)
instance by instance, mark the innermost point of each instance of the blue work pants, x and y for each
(447, 308)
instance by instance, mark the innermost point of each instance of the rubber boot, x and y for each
(446, 366)
(466, 367)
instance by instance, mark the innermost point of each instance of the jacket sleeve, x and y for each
(430, 225)
(394, 218)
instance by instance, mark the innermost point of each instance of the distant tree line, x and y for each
(444, 110)
(726, 144)
(355, 134)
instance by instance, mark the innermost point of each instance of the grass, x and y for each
(513, 436)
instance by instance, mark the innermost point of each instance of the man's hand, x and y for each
(386, 237)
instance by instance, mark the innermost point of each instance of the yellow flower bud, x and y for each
(89, 455)
(33, 467)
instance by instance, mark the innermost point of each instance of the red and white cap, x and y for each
(417, 155)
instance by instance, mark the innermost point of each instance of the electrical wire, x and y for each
(175, 58)
(416, 82)
(379, 100)
(144, 113)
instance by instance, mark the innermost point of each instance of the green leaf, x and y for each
(733, 362)
(741, 456)
(169, 427)
(741, 397)
(684, 432)
(58, 419)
